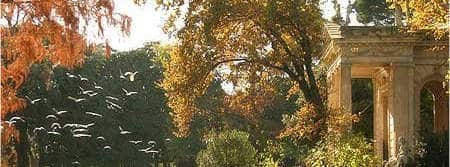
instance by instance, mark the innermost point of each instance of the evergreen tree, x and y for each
(373, 11)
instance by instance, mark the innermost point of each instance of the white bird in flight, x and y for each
(54, 133)
(131, 75)
(135, 141)
(96, 86)
(51, 116)
(121, 75)
(81, 135)
(33, 101)
(70, 75)
(114, 105)
(128, 93)
(59, 112)
(55, 125)
(123, 132)
(15, 119)
(75, 99)
(35, 130)
(79, 130)
(94, 114)
(112, 98)
(101, 138)
(82, 79)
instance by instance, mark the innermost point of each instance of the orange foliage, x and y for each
(251, 103)
(54, 30)
(305, 123)
(36, 30)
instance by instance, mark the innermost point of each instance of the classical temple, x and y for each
(400, 65)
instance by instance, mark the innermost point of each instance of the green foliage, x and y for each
(90, 132)
(432, 150)
(348, 150)
(373, 11)
(229, 148)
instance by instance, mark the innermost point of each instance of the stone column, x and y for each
(345, 86)
(378, 119)
(340, 89)
(380, 103)
(401, 106)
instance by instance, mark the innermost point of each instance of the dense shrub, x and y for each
(432, 150)
(230, 149)
(349, 150)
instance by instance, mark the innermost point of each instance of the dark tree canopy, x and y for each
(373, 11)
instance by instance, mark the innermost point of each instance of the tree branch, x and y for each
(229, 60)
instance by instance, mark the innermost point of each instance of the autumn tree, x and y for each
(252, 40)
(429, 15)
(35, 30)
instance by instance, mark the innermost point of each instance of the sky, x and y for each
(147, 24)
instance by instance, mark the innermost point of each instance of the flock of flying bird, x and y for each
(82, 130)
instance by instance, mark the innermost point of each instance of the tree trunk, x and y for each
(22, 147)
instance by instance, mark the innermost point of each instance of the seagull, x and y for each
(101, 138)
(81, 135)
(70, 75)
(59, 112)
(35, 130)
(113, 104)
(152, 151)
(81, 78)
(128, 93)
(54, 133)
(15, 119)
(36, 100)
(107, 147)
(85, 92)
(135, 141)
(112, 98)
(148, 150)
(96, 86)
(131, 75)
(33, 101)
(78, 125)
(94, 114)
(92, 94)
(121, 75)
(89, 125)
(75, 99)
(9, 123)
(123, 132)
(55, 125)
(145, 149)
(79, 130)
(75, 163)
(69, 125)
(51, 116)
